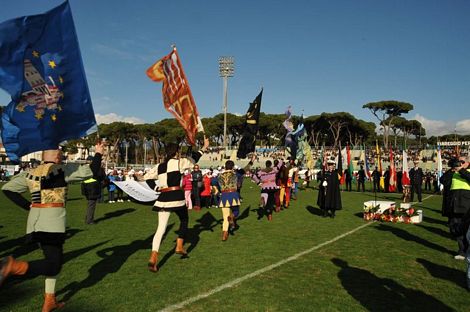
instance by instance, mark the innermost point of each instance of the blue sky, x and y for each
(318, 56)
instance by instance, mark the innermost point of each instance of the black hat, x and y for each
(89, 158)
(454, 163)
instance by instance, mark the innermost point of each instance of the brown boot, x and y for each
(152, 265)
(10, 266)
(224, 236)
(50, 303)
(179, 247)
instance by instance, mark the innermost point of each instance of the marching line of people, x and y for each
(182, 187)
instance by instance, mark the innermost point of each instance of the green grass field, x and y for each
(379, 267)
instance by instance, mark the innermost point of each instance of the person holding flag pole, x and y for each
(178, 100)
(41, 68)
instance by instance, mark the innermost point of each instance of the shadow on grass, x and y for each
(12, 295)
(260, 212)
(439, 211)
(445, 273)
(24, 245)
(112, 259)
(207, 222)
(114, 214)
(434, 221)
(359, 215)
(434, 230)
(384, 294)
(410, 237)
(313, 210)
(245, 213)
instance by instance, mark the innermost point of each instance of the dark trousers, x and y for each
(348, 185)
(184, 218)
(206, 201)
(270, 202)
(196, 197)
(459, 231)
(416, 188)
(50, 265)
(376, 184)
(90, 211)
(361, 184)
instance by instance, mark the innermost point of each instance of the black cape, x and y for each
(329, 197)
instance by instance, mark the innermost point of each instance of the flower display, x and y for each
(391, 214)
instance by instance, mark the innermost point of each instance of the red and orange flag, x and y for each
(177, 97)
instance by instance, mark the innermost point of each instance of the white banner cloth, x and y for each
(138, 190)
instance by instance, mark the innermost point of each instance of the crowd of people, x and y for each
(184, 186)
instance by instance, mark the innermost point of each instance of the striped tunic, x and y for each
(169, 175)
(48, 184)
(266, 178)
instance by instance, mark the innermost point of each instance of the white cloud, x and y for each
(112, 117)
(435, 127)
(463, 126)
(110, 51)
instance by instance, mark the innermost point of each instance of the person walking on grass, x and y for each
(47, 185)
(456, 203)
(266, 179)
(229, 197)
(284, 184)
(169, 175)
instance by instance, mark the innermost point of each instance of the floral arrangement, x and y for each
(392, 214)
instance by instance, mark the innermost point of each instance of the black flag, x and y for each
(248, 141)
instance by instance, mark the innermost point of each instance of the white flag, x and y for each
(137, 190)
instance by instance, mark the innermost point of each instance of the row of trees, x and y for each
(146, 140)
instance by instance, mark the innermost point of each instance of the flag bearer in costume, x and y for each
(230, 197)
(170, 173)
(46, 220)
(266, 178)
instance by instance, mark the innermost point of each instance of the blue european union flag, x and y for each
(41, 68)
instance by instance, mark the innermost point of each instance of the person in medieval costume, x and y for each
(329, 196)
(266, 179)
(169, 175)
(47, 185)
(229, 197)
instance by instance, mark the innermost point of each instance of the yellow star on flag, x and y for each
(61, 80)
(53, 117)
(52, 64)
(20, 108)
(38, 115)
(35, 53)
(59, 108)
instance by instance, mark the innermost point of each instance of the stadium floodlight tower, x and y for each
(226, 69)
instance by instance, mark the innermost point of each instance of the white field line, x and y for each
(257, 272)
(239, 280)
(423, 199)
